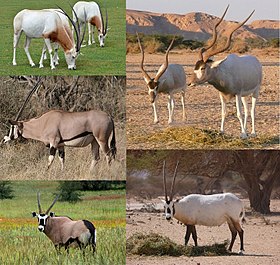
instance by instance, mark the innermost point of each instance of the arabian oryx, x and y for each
(207, 210)
(169, 79)
(234, 76)
(63, 231)
(90, 13)
(49, 25)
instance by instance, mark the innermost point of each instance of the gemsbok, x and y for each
(206, 210)
(170, 79)
(49, 25)
(58, 128)
(93, 17)
(234, 76)
(63, 231)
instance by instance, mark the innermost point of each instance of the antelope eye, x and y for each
(202, 68)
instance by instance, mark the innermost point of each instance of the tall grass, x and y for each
(22, 243)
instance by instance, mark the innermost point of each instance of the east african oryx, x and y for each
(57, 129)
(234, 76)
(47, 24)
(170, 79)
(93, 17)
(63, 231)
(206, 210)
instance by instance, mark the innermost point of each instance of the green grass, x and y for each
(93, 60)
(156, 245)
(22, 243)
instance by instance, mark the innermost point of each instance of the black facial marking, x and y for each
(198, 64)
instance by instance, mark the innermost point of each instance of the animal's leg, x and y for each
(89, 33)
(155, 111)
(95, 153)
(105, 148)
(51, 156)
(92, 39)
(233, 235)
(224, 113)
(246, 112)
(239, 116)
(26, 49)
(16, 40)
(170, 106)
(49, 47)
(183, 104)
(188, 233)
(61, 155)
(254, 101)
(55, 56)
(240, 231)
(194, 235)
(43, 56)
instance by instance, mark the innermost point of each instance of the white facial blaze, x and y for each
(42, 222)
(198, 73)
(101, 39)
(13, 134)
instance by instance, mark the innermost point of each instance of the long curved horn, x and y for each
(104, 28)
(229, 38)
(146, 76)
(173, 181)
(214, 37)
(160, 73)
(56, 198)
(27, 98)
(38, 201)
(164, 181)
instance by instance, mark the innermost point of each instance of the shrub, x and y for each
(6, 191)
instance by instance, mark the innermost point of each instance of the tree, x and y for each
(6, 191)
(70, 191)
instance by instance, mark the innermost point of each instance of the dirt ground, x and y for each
(203, 108)
(261, 236)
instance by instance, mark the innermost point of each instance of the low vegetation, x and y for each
(156, 245)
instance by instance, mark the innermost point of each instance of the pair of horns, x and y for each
(39, 205)
(104, 29)
(214, 38)
(160, 73)
(173, 182)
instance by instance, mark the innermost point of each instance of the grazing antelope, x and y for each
(57, 129)
(170, 79)
(234, 76)
(207, 210)
(49, 25)
(63, 231)
(93, 17)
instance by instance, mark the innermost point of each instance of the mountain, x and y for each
(195, 26)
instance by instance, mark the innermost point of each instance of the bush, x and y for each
(6, 191)
(70, 191)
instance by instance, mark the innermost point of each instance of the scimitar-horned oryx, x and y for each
(57, 129)
(170, 79)
(49, 25)
(207, 210)
(63, 231)
(93, 17)
(233, 76)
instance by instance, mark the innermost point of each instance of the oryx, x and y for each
(170, 79)
(234, 76)
(58, 128)
(90, 13)
(63, 231)
(206, 210)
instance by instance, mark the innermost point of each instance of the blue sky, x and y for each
(239, 9)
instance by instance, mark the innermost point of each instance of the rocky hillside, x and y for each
(195, 26)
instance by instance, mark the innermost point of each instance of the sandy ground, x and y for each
(203, 108)
(261, 236)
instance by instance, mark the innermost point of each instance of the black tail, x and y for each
(91, 229)
(113, 148)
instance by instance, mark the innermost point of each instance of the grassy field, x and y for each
(21, 242)
(93, 60)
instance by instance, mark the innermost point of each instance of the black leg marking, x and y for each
(188, 233)
(52, 151)
(61, 154)
(194, 235)
(233, 235)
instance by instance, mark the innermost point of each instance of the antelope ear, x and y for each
(51, 214)
(217, 63)
(34, 214)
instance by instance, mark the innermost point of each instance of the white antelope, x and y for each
(93, 17)
(63, 231)
(234, 76)
(206, 210)
(49, 25)
(170, 79)
(57, 129)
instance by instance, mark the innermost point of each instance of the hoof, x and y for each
(240, 253)
(243, 136)
(41, 66)
(253, 135)
(32, 65)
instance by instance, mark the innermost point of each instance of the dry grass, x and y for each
(156, 245)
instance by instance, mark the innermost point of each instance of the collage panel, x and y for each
(202, 207)
(38, 227)
(56, 37)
